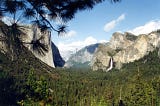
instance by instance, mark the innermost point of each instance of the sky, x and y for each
(98, 25)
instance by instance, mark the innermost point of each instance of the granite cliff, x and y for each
(52, 57)
(34, 33)
(124, 48)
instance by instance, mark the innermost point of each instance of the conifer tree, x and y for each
(141, 93)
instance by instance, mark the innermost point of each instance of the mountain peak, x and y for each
(125, 48)
(82, 57)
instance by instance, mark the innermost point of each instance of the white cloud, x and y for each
(109, 26)
(68, 34)
(71, 33)
(76, 45)
(121, 18)
(147, 28)
(89, 40)
(103, 41)
(66, 49)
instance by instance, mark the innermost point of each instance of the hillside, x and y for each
(74, 87)
(16, 64)
(14, 74)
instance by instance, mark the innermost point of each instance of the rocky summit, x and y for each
(124, 48)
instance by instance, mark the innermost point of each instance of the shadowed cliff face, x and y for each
(58, 60)
(125, 48)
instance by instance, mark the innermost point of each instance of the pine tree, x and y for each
(141, 93)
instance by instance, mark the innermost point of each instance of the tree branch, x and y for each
(43, 17)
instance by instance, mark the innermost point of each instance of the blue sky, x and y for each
(98, 24)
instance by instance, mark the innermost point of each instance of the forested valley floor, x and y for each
(136, 84)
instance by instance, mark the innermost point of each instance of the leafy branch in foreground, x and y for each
(47, 11)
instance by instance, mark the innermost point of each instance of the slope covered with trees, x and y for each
(135, 84)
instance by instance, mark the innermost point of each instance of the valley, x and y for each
(49, 56)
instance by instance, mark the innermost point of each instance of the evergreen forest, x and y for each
(136, 84)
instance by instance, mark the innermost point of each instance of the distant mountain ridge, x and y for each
(121, 49)
(83, 57)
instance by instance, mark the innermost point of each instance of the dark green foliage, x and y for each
(78, 65)
(38, 47)
(36, 83)
(121, 103)
(37, 88)
(141, 93)
(14, 75)
(7, 90)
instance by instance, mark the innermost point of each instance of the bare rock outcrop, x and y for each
(124, 48)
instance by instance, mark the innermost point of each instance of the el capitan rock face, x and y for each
(124, 48)
(34, 33)
(51, 58)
